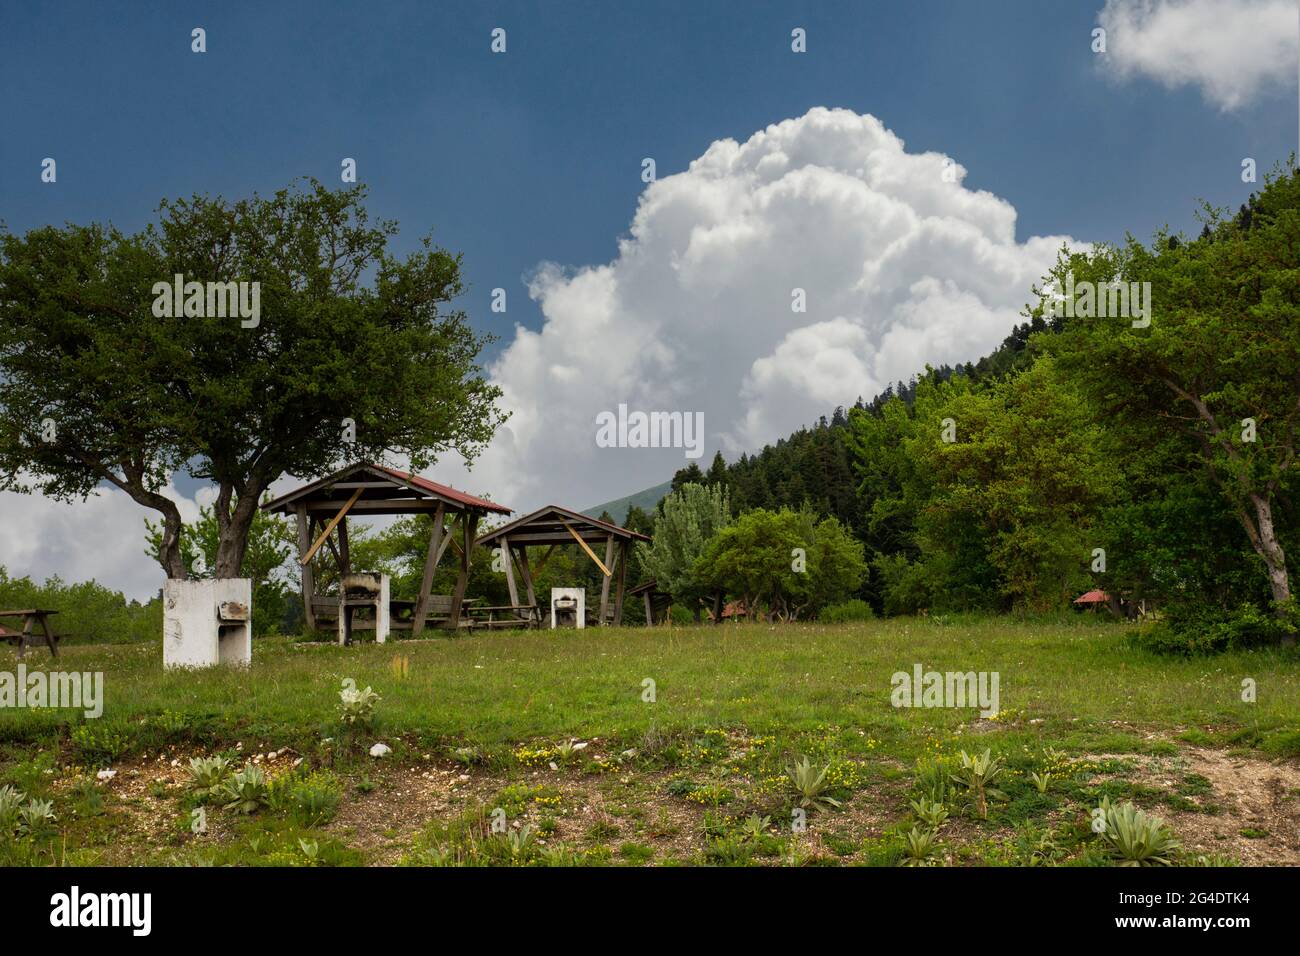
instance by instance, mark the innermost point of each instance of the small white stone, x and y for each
(106, 774)
(380, 750)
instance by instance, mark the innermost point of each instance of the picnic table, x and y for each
(30, 616)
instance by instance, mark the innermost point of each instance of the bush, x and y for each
(846, 612)
(1191, 630)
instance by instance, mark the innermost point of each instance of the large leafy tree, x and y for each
(687, 519)
(97, 389)
(1219, 364)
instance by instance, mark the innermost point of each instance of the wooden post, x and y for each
(469, 525)
(345, 559)
(604, 585)
(622, 580)
(308, 578)
(527, 574)
(649, 610)
(510, 571)
(430, 566)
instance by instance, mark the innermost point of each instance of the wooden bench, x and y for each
(32, 616)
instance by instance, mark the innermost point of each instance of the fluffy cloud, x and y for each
(101, 538)
(900, 265)
(1232, 49)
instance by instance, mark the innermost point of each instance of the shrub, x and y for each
(313, 799)
(1190, 630)
(846, 612)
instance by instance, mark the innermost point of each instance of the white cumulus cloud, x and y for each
(899, 264)
(1232, 49)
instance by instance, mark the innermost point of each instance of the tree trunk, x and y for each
(170, 555)
(1270, 549)
(233, 525)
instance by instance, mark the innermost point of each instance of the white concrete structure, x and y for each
(572, 601)
(368, 591)
(207, 622)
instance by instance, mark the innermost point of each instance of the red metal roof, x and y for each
(444, 491)
(1092, 597)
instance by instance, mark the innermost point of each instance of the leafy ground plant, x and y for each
(1135, 837)
(977, 775)
(810, 784)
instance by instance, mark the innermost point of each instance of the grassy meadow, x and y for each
(585, 761)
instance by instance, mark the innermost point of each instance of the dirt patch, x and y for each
(1259, 820)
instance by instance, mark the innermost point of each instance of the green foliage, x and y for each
(784, 561)
(1135, 838)
(922, 848)
(11, 802)
(846, 612)
(810, 784)
(1189, 629)
(247, 791)
(208, 776)
(977, 775)
(347, 331)
(311, 799)
(87, 611)
(688, 518)
(357, 707)
(930, 812)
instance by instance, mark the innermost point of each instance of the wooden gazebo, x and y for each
(364, 490)
(553, 526)
(657, 603)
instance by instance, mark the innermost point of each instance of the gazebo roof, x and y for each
(383, 491)
(556, 525)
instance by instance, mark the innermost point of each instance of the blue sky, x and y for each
(818, 171)
(535, 155)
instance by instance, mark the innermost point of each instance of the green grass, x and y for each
(501, 688)
(733, 705)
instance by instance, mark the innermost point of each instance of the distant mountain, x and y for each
(646, 500)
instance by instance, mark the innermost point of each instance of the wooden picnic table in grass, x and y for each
(30, 616)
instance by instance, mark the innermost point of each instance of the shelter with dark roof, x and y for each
(365, 489)
(551, 527)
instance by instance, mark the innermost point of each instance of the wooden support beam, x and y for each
(649, 610)
(527, 575)
(604, 585)
(345, 557)
(431, 560)
(586, 547)
(469, 525)
(330, 527)
(308, 578)
(509, 565)
(622, 581)
(541, 565)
